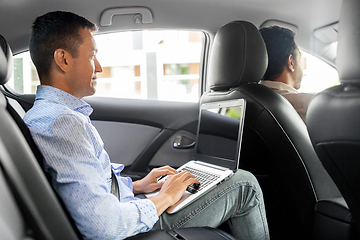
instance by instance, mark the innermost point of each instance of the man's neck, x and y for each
(285, 78)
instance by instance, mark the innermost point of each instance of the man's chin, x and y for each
(90, 92)
(93, 91)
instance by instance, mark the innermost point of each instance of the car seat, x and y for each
(333, 115)
(41, 213)
(276, 147)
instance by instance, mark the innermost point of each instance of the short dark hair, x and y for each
(280, 43)
(56, 30)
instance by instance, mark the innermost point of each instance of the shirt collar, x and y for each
(58, 96)
(278, 86)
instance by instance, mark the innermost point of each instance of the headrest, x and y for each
(6, 61)
(348, 55)
(238, 56)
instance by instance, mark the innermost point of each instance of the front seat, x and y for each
(333, 116)
(276, 147)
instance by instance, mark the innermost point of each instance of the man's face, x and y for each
(83, 75)
(299, 69)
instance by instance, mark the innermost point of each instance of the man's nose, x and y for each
(98, 67)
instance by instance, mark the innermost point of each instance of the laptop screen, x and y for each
(220, 133)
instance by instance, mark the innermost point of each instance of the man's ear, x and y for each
(291, 63)
(62, 59)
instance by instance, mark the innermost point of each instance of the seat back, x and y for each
(276, 147)
(32, 203)
(12, 225)
(333, 116)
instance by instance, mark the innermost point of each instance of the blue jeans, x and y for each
(238, 201)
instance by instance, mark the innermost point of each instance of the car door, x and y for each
(142, 134)
(152, 78)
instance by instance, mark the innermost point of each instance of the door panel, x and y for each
(124, 141)
(175, 157)
(140, 133)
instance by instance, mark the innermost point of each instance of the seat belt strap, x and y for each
(114, 185)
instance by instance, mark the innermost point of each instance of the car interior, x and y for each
(308, 172)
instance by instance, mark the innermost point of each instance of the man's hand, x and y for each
(149, 183)
(172, 190)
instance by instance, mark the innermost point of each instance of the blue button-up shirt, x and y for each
(80, 168)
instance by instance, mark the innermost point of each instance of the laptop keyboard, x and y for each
(205, 178)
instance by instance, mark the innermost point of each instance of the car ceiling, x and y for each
(209, 15)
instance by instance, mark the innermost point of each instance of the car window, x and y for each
(162, 65)
(318, 75)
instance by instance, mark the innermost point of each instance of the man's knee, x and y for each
(246, 179)
(245, 176)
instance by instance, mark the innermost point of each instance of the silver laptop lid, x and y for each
(219, 133)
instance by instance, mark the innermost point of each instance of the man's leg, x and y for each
(238, 201)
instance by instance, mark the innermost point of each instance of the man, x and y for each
(64, 52)
(284, 72)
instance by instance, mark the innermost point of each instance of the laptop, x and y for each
(217, 153)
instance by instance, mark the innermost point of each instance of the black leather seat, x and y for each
(36, 205)
(276, 147)
(333, 116)
(41, 212)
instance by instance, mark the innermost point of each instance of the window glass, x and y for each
(160, 65)
(318, 75)
(25, 77)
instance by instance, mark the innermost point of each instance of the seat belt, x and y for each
(114, 185)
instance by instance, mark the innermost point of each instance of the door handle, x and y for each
(142, 14)
(183, 142)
